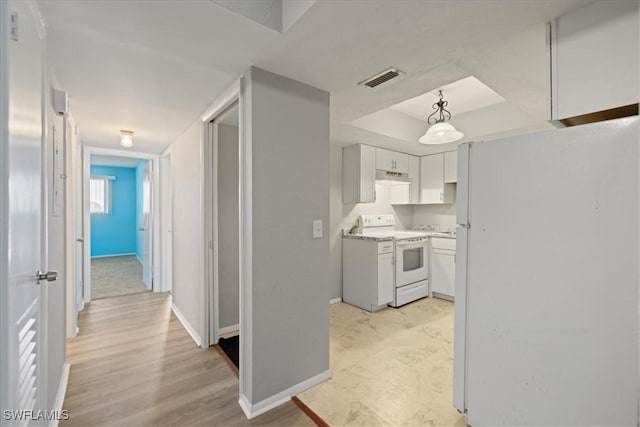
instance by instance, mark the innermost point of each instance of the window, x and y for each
(100, 195)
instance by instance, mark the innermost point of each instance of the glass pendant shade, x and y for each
(441, 133)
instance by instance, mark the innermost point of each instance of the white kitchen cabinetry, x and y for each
(392, 161)
(359, 174)
(433, 189)
(408, 194)
(367, 273)
(594, 55)
(385, 278)
(450, 167)
(443, 265)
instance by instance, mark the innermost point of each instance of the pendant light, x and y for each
(126, 138)
(440, 132)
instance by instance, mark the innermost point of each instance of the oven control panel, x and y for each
(411, 241)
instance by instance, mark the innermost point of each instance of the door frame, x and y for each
(210, 300)
(155, 211)
(166, 218)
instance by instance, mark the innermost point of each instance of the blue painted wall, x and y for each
(115, 233)
(139, 205)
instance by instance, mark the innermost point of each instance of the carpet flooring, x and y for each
(116, 276)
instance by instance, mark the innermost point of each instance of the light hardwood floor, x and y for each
(133, 364)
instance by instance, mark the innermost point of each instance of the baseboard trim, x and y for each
(335, 300)
(62, 392)
(187, 326)
(252, 411)
(228, 329)
(111, 256)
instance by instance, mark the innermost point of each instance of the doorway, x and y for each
(121, 234)
(225, 209)
(119, 210)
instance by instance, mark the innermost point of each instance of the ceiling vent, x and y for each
(381, 78)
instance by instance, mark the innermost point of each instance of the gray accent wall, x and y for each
(228, 225)
(286, 145)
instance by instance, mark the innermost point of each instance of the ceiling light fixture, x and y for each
(126, 138)
(440, 132)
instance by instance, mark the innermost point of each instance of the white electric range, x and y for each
(410, 259)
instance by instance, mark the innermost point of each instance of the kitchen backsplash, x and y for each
(438, 215)
(382, 205)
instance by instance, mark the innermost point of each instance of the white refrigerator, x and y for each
(546, 315)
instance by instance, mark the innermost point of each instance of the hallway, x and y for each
(134, 364)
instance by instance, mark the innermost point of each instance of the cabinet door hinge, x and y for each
(14, 27)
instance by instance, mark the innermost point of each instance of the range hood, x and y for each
(392, 178)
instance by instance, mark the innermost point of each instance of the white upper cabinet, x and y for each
(384, 159)
(433, 189)
(450, 167)
(414, 176)
(401, 162)
(594, 56)
(392, 161)
(408, 194)
(359, 174)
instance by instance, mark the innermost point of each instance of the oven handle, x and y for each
(416, 244)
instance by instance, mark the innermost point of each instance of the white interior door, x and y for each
(23, 369)
(146, 227)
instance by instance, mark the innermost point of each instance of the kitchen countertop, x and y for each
(386, 236)
(365, 237)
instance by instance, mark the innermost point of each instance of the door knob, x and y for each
(49, 276)
(80, 239)
(141, 229)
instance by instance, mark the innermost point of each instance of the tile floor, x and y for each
(390, 368)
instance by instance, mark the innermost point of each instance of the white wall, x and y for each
(57, 166)
(188, 271)
(56, 291)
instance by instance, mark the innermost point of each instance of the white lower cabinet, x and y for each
(367, 273)
(443, 265)
(385, 278)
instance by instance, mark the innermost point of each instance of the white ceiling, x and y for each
(153, 67)
(464, 95)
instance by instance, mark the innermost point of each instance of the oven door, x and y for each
(411, 262)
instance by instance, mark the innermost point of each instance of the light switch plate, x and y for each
(317, 229)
